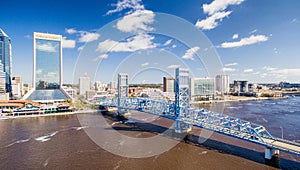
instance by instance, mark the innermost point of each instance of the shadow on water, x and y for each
(210, 144)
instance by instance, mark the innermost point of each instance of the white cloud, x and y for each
(126, 4)
(219, 5)
(138, 42)
(230, 64)
(68, 43)
(286, 72)
(102, 56)
(136, 22)
(70, 30)
(144, 64)
(189, 54)
(80, 48)
(253, 31)
(88, 36)
(39, 71)
(268, 68)
(227, 69)
(248, 70)
(168, 42)
(211, 22)
(235, 36)
(48, 47)
(245, 41)
(173, 66)
(174, 46)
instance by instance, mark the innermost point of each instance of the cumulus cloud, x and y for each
(70, 30)
(126, 4)
(248, 70)
(230, 64)
(189, 54)
(245, 41)
(235, 36)
(102, 56)
(138, 42)
(216, 11)
(48, 47)
(88, 36)
(144, 64)
(212, 22)
(268, 68)
(68, 43)
(136, 22)
(173, 66)
(219, 5)
(228, 69)
(80, 48)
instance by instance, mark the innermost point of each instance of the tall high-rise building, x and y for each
(240, 86)
(84, 85)
(2, 80)
(202, 87)
(222, 84)
(47, 72)
(6, 58)
(168, 84)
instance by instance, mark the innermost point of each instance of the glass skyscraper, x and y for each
(47, 72)
(6, 58)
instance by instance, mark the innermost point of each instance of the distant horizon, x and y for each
(263, 50)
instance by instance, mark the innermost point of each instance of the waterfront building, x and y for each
(6, 59)
(47, 69)
(17, 86)
(84, 85)
(89, 94)
(70, 91)
(222, 84)
(240, 86)
(202, 88)
(168, 84)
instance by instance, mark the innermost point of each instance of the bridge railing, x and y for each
(195, 116)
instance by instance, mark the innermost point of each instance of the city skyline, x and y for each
(255, 42)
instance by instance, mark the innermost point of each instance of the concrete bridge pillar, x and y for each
(270, 152)
(181, 127)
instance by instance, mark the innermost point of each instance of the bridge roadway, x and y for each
(213, 121)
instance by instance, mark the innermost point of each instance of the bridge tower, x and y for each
(122, 91)
(182, 99)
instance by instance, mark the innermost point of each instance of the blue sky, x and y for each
(257, 40)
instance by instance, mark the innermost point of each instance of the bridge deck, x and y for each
(285, 146)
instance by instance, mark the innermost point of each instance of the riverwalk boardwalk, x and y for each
(186, 116)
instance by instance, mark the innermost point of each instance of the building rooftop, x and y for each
(2, 33)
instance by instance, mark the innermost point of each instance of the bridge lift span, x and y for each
(186, 116)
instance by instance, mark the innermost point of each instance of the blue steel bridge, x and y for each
(186, 116)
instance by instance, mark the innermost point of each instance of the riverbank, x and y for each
(46, 114)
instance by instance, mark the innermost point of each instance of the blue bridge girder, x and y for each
(196, 117)
(206, 119)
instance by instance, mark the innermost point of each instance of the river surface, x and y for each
(62, 142)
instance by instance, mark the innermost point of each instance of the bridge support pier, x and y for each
(270, 152)
(181, 127)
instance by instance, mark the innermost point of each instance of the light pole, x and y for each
(281, 132)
